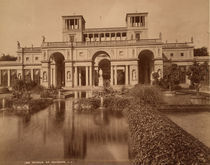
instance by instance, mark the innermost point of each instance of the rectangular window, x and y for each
(171, 54)
(182, 54)
(137, 36)
(124, 34)
(27, 58)
(36, 58)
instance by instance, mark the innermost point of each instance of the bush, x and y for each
(39, 104)
(116, 103)
(88, 104)
(155, 139)
(147, 94)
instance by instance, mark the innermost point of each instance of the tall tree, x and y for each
(197, 73)
(171, 76)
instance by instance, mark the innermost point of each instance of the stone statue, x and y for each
(160, 35)
(43, 38)
(192, 39)
(18, 44)
(100, 72)
(100, 83)
(134, 74)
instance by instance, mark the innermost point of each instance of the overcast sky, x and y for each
(27, 20)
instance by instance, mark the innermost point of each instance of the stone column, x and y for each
(111, 82)
(86, 76)
(52, 77)
(80, 79)
(8, 78)
(91, 76)
(126, 74)
(32, 75)
(75, 76)
(0, 77)
(115, 75)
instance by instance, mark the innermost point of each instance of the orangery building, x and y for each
(125, 56)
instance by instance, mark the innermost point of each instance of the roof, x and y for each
(177, 45)
(31, 49)
(135, 14)
(73, 16)
(106, 29)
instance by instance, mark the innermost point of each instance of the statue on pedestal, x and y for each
(100, 83)
(18, 44)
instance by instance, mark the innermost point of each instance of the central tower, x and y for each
(73, 27)
(137, 26)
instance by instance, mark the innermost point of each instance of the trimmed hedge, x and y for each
(147, 94)
(155, 139)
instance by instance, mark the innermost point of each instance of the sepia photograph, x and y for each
(104, 82)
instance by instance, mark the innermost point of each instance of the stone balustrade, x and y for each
(103, 43)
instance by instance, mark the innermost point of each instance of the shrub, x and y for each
(155, 139)
(45, 94)
(147, 94)
(198, 73)
(88, 104)
(116, 103)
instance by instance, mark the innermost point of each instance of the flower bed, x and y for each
(20, 106)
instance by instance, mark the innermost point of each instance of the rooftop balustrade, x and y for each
(102, 43)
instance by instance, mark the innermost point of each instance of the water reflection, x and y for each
(59, 132)
(83, 94)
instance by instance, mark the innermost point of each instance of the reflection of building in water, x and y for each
(82, 130)
(70, 134)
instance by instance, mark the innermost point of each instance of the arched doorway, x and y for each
(57, 70)
(101, 60)
(145, 65)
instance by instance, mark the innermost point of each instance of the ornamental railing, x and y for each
(103, 43)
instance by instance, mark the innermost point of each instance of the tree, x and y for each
(201, 52)
(7, 58)
(171, 76)
(197, 73)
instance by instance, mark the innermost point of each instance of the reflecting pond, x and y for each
(61, 133)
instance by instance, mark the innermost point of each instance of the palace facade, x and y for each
(125, 55)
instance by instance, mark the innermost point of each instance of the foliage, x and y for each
(155, 139)
(8, 102)
(116, 103)
(156, 77)
(34, 105)
(201, 52)
(8, 58)
(88, 104)
(21, 85)
(39, 104)
(49, 93)
(197, 73)
(171, 76)
(22, 89)
(147, 94)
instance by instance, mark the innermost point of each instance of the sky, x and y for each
(27, 20)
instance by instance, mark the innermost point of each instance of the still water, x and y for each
(60, 133)
(195, 123)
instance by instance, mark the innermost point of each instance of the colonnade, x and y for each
(105, 36)
(11, 76)
(72, 24)
(89, 72)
